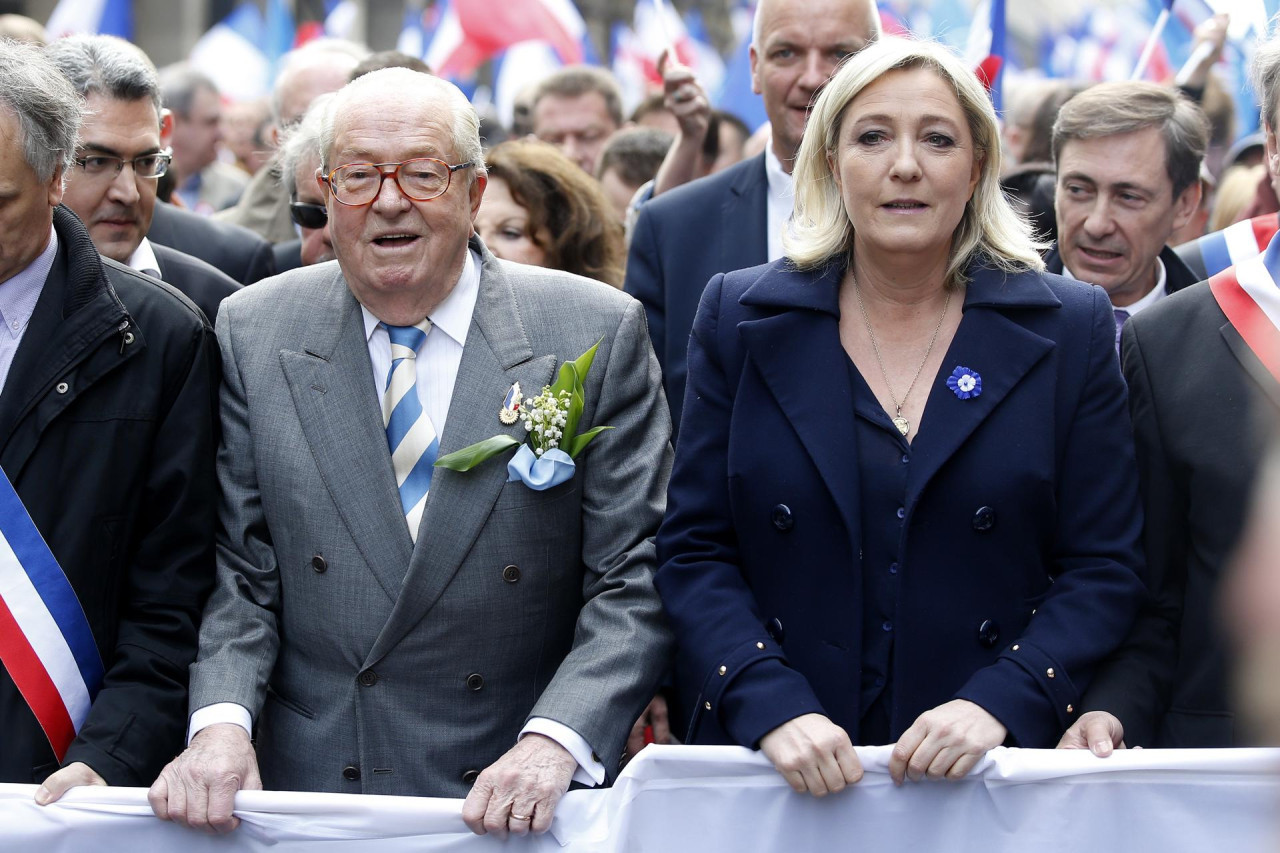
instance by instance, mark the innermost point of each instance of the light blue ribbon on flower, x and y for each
(553, 468)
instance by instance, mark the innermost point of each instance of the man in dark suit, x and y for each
(236, 251)
(299, 159)
(120, 156)
(1201, 366)
(1116, 203)
(107, 384)
(733, 219)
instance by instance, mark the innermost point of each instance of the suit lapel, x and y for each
(748, 207)
(497, 353)
(998, 348)
(1252, 365)
(332, 387)
(798, 354)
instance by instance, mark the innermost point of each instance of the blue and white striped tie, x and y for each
(410, 435)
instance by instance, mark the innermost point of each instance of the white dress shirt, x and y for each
(782, 200)
(144, 260)
(437, 371)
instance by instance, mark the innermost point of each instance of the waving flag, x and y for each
(736, 94)
(46, 644)
(230, 53)
(92, 17)
(469, 32)
(987, 49)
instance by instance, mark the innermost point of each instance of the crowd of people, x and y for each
(906, 427)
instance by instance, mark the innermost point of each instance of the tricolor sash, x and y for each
(1250, 298)
(1237, 242)
(45, 641)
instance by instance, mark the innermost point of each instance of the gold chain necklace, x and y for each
(903, 425)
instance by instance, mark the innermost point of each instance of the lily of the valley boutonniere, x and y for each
(551, 421)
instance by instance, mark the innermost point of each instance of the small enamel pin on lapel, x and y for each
(508, 414)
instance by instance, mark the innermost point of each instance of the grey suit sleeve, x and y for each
(239, 637)
(621, 643)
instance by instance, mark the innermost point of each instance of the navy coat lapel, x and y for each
(333, 391)
(1000, 349)
(1252, 365)
(798, 354)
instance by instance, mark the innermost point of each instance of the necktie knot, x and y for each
(408, 337)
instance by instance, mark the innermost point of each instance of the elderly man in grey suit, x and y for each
(387, 634)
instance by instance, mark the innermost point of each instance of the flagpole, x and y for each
(1152, 40)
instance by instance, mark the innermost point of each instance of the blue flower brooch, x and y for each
(965, 383)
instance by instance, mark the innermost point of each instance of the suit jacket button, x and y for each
(984, 519)
(368, 678)
(782, 518)
(511, 574)
(351, 773)
(774, 629)
(988, 633)
(475, 681)
(471, 776)
(318, 563)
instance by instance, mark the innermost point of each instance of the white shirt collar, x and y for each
(1155, 295)
(144, 257)
(780, 202)
(453, 315)
(780, 182)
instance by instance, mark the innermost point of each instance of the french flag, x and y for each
(986, 50)
(469, 32)
(92, 17)
(46, 645)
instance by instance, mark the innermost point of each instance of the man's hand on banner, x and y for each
(813, 754)
(518, 793)
(945, 742)
(73, 775)
(198, 788)
(1097, 731)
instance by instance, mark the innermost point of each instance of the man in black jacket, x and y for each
(107, 433)
(120, 155)
(1128, 162)
(234, 250)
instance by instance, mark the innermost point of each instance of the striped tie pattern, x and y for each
(410, 435)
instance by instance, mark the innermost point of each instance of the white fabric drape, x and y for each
(710, 799)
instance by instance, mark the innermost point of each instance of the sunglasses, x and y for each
(308, 215)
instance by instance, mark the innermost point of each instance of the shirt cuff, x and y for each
(220, 712)
(590, 771)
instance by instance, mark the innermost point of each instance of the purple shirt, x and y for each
(18, 297)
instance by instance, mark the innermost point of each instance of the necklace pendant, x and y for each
(903, 425)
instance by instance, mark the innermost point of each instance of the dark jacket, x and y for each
(288, 255)
(1178, 275)
(107, 432)
(682, 238)
(1199, 450)
(238, 252)
(1022, 500)
(203, 284)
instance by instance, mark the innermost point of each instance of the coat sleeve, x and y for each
(239, 637)
(1035, 686)
(743, 678)
(138, 720)
(621, 643)
(1136, 682)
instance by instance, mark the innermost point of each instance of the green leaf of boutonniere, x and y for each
(471, 456)
(580, 442)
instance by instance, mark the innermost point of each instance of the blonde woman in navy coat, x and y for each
(904, 506)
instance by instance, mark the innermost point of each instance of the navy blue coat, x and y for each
(1020, 558)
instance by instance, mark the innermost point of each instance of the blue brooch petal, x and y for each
(965, 383)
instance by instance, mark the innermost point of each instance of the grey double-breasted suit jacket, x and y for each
(371, 664)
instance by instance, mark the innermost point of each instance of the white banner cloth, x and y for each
(709, 799)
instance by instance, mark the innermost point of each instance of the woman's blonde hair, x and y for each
(820, 229)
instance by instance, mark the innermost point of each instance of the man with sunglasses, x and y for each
(120, 155)
(383, 625)
(299, 159)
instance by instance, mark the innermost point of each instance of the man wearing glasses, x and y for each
(119, 157)
(384, 626)
(299, 158)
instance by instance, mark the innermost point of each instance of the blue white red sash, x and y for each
(45, 641)
(1237, 242)
(1247, 293)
